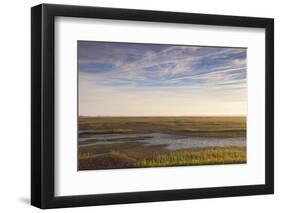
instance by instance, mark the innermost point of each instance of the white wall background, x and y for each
(15, 105)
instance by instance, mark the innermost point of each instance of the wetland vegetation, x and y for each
(134, 142)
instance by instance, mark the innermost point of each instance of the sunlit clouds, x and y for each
(125, 79)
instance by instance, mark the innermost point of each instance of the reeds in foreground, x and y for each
(208, 156)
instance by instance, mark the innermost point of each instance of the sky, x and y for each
(133, 79)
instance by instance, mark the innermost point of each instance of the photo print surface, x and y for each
(160, 105)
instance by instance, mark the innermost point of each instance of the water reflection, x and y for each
(172, 141)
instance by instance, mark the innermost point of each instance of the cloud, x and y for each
(138, 72)
(148, 66)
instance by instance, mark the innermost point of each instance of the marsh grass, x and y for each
(198, 126)
(208, 156)
(144, 157)
(131, 154)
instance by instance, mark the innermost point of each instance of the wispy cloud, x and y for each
(113, 70)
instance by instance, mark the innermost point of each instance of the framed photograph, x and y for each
(139, 106)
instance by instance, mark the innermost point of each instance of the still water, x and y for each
(172, 141)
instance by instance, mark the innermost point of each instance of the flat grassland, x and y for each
(128, 147)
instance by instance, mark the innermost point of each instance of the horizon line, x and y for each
(162, 116)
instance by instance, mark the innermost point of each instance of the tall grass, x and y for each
(146, 158)
(217, 155)
(129, 152)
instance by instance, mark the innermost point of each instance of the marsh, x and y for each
(154, 105)
(125, 142)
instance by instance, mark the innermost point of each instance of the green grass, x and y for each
(156, 156)
(130, 153)
(197, 126)
(208, 156)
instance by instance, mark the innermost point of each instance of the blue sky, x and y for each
(128, 79)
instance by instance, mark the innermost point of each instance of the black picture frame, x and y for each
(43, 102)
